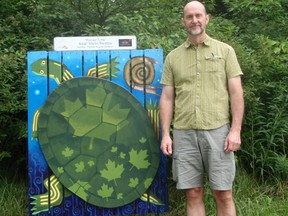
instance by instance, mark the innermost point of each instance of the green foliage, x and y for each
(15, 41)
(222, 29)
(13, 102)
(266, 120)
(255, 17)
(13, 195)
(150, 31)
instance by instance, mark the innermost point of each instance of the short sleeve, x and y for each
(167, 76)
(233, 68)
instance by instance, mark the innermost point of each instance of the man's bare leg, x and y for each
(194, 202)
(225, 203)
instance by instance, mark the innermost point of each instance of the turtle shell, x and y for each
(99, 141)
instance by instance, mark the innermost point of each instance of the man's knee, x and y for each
(223, 196)
(194, 193)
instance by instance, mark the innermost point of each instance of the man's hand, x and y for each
(166, 145)
(233, 141)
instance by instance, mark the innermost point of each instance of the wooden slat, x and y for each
(37, 93)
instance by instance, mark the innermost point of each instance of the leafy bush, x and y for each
(14, 44)
(265, 131)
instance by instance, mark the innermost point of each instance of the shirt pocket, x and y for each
(213, 64)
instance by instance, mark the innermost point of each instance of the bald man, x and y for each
(200, 78)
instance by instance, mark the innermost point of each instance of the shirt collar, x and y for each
(206, 42)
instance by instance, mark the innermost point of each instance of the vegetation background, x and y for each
(258, 31)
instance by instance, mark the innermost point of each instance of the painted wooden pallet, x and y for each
(131, 74)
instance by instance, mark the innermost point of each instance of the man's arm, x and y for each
(233, 140)
(166, 115)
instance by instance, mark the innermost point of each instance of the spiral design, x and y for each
(139, 71)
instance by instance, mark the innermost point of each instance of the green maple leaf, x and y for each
(60, 170)
(133, 182)
(139, 159)
(142, 140)
(91, 163)
(113, 171)
(67, 152)
(70, 107)
(105, 191)
(79, 167)
(122, 155)
(120, 196)
(114, 149)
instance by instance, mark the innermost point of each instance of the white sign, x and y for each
(95, 43)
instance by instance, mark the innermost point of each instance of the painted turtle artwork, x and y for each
(97, 140)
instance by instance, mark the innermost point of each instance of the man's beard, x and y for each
(194, 32)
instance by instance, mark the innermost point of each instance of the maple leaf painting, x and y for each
(120, 196)
(133, 182)
(114, 149)
(113, 171)
(142, 140)
(91, 163)
(60, 169)
(138, 159)
(79, 167)
(105, 191)
(67, 152)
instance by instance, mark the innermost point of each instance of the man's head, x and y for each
(195, 18)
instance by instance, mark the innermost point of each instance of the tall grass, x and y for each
(264, 150)
(251, 198)
(13, 196)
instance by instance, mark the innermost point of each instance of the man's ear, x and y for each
(207, 18)
(182, 22)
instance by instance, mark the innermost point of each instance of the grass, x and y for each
(250, 197)
(13, 196)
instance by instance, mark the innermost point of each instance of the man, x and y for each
(199, 80)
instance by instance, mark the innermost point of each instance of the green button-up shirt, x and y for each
(200, 76)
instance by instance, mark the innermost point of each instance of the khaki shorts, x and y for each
(200, 152)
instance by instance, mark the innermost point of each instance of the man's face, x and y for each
(195, 20)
